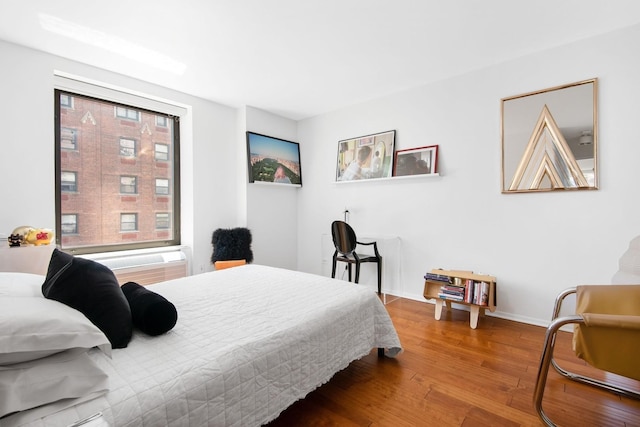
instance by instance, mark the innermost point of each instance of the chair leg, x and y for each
(379, 277)
(350, 272)
(357, 272)
(333, 270)
(545, 363)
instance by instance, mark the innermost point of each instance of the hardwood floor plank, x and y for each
(452, 375)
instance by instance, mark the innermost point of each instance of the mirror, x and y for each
(549, 139)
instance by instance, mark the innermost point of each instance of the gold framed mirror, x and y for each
(550, 139)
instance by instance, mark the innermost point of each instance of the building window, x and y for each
(127, 147)
(127, 113)
(129, 185)
(66, 101)
(104, 143)
(69, 181)
(69, 224)
(128, 222)
(163, 221)
(68, 139)
(161, 152)
(162, 186)
(161, 121)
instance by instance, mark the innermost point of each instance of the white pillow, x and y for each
(21, 285)
(35, 327)
(48, 382)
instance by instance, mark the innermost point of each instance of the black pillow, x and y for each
(92, 289)
(152, 313)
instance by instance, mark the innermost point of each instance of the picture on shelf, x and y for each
(366, 157)
(273, 160)
(416, 161)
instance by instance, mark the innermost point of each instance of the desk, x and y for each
(389, 249)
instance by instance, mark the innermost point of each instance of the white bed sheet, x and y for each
(248, 343)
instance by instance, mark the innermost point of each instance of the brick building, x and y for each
(116, 166)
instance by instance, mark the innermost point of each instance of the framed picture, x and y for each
(550, 139)
(416, 161)
(273, 160)
(366, 157)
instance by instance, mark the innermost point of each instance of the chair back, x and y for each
(344, 238)
(231, 244)
(610, 337)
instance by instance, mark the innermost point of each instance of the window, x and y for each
(127, 147)
(128, 185)
(162, 152)
(163, 221)
(66, 101)
(68, 140)
(100, 160)
(162, 186)
(161, 121)
(68, 181)
(128, 222)
(69, 224)
(127, 113)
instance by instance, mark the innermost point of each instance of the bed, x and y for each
(249, 341)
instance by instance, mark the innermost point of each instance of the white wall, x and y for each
(27, 172)
(536, 244)
(272, 210)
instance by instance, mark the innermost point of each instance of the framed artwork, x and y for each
(550, 139)
(273, 160)
(416, 161)
(366, 157)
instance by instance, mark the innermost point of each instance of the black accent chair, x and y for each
(231, 244)
(345, 242)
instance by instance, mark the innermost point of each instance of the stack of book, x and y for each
(437, 277)
(452, 292)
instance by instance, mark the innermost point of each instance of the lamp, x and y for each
(586, 138)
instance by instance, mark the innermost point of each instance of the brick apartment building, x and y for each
(116, 173)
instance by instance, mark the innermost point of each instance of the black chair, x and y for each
(231, 244)
(345, 242)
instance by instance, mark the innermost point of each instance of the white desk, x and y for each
(389, 249)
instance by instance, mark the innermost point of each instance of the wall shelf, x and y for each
(392, 178)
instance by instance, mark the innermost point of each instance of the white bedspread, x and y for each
(249, 342)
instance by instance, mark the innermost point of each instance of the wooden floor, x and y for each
(451, 375)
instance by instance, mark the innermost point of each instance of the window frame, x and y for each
(165, 157)
(168, 221)
(168, 187)
(73, 184)
(124, 186)
(124, 147)
(73, 141)
(172, 112)
(128, 111)
(135, 222)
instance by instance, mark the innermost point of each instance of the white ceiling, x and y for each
(301, 58)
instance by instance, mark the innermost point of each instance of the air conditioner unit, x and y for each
(146, 268)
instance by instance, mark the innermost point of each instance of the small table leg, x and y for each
(438, 312)
(475, 311)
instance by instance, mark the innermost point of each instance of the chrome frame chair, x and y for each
(547, 360)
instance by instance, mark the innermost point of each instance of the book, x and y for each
(437, 277)
(450, 297)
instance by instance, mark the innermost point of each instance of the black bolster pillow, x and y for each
(152, 313)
